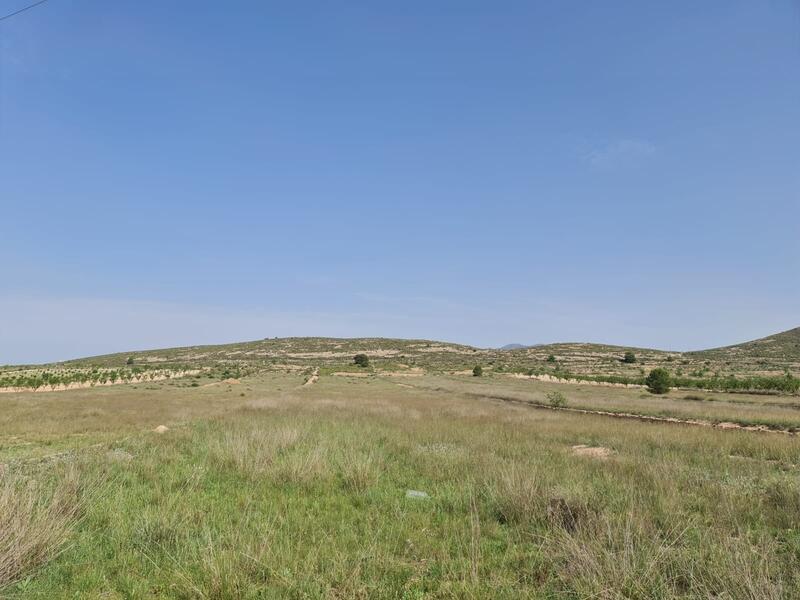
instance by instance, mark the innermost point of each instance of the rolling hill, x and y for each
(774, 356)
(780, 346)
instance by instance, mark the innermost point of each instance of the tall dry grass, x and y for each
(35, 521)
(304, 495)
(253, 450)
(517, 496)
(627, 557)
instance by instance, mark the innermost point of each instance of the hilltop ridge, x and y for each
(771, 355)
(785, 344)
(740, 366)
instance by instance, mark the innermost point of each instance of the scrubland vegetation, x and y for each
(300, 491)
(770, 365)
(311, 476)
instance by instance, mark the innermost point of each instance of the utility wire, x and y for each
(22, 10)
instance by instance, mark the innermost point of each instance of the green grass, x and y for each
(776, 412)
(298, 492)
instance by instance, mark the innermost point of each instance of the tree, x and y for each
(129, 361)
(551, 358)
(362, 360)
(658, 381)
(630, 357)
(477, 371)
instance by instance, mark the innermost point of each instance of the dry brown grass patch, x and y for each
(598, 452)
(253, 450)
(517, 496)
(34, 522)
(359, 470)
(629, 558)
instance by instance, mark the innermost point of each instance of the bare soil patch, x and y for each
(230, 381)
(412, 373)
(350, 374)
(598, 452)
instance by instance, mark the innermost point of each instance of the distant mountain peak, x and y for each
(512, 347)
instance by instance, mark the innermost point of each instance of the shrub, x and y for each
(362, 360)
(477, 371)
(658, 381)
(629, 357)
(551, 358)
(556, 399)
(129, 361)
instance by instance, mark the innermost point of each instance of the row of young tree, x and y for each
(54, 378)
(660, 380)
(787, 383)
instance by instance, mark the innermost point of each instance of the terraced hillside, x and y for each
(771, 363)
(291, 353)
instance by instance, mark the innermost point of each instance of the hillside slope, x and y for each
(296, 351)
(783, 346)
(772, 356)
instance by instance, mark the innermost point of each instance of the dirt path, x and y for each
(230, 381)
(313, 379)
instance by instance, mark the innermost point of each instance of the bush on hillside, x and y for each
(556, 399)
(629, 358)
(362, 360)
(658, 381)
(477, 371)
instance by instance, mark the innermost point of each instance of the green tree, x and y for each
(629, 358)
(362, 360)
(551, 358)
(477, 371)
(658, 381)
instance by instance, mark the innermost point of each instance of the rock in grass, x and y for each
(161, 429)
(416, 495)
(119, 455)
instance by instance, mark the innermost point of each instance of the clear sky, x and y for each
(176, 173)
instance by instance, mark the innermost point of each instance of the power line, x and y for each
(22, 10)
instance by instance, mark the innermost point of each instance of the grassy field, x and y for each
(771, 411)
(264, 487)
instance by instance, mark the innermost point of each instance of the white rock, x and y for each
(161, 429)
(416, 494)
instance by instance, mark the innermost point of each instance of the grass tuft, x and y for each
(35, 522)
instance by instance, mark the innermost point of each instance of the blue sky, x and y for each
(480, 172)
